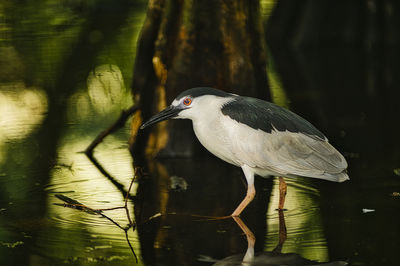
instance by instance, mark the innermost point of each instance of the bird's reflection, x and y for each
(274, 257)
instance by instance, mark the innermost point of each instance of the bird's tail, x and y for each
(340, 177)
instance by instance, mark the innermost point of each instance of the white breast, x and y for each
(213, 135)
(212, 130)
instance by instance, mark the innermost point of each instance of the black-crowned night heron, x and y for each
(258, 136)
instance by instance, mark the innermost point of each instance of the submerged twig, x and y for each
(130, 245)
(106, 174)
(120, 122)
(74, 204)
(126, 203)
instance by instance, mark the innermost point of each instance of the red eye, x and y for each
(187, 101)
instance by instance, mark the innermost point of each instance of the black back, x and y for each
(259, 114)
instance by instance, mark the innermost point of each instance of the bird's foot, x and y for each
(281, 209)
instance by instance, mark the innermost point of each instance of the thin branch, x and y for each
(111, 209)
(120, 122)
(106, 174)
(129, 243)
(74, 204)
(126, 199)
(114, 222)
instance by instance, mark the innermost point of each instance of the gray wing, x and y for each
(302, 155)
(293, 154)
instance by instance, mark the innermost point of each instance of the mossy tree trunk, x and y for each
(194, 43)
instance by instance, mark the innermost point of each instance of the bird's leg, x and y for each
(251, 192)
(282, 193)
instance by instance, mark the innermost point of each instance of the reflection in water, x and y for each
(47, 117)
(106, 89)
(305, 227)
(274, 257)
(209, 187)
(21, 110)
(212, 189)
(71, 203)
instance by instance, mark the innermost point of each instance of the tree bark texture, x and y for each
(194, 43)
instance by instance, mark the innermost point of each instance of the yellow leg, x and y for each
(282, 193)
(251, 192)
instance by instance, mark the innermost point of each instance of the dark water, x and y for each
(65, 72)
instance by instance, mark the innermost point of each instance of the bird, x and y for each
(260, 137)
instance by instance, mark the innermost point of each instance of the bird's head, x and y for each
(188, 105)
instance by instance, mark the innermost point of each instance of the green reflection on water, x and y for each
(56, 95)
(21, 109)
(305, 231)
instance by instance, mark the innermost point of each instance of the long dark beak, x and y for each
(165, 114)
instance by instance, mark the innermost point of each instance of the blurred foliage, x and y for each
(45, 33)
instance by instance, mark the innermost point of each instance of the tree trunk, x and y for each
(185, 44)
